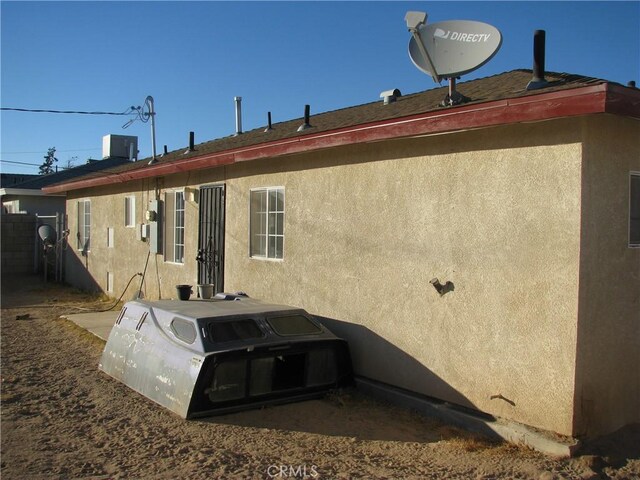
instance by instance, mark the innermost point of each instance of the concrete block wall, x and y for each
(18, 243)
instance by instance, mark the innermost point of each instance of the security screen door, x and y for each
(211, 237)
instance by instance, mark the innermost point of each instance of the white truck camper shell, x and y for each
(229, 353)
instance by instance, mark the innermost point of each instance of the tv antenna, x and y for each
(450, 49)
(144, 114)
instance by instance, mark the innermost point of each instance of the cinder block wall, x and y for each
(18, 243)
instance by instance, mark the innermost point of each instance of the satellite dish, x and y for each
(47, 234)
(454, 47)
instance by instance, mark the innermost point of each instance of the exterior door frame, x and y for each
(211, 236)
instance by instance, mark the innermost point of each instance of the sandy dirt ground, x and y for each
(63, 419)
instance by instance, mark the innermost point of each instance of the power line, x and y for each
(128, 111)
(21, 163)
(86, 168)
(57, 151)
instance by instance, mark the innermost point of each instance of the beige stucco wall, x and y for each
(495, 211)
(608, 355)
(367, 227)
(129, 255)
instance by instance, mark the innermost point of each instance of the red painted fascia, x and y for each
(623, 101)
(542, 106)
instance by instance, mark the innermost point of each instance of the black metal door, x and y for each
(211, 237)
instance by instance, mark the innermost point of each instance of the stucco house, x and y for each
(523, 204)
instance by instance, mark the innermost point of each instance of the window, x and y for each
(234, 330)
(267, 223)
(174, 227)
(634, 210)
(109, 282)
(84, 225)
(130, 211)
(184, 330)
(229, 381)
(293, 325)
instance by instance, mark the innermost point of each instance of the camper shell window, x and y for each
(290, 325)
(184, 330)
(232, 330)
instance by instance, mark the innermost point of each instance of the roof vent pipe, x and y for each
(165, 151)
(238, 101)
(191, 144)
(268, 129)
(390, 96)
(306, 123)
(538, 80)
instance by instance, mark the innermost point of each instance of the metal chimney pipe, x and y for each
(268, 129)
(191, 144)
(238, 101)
(306, 124)
(538, 80)
(538, 55)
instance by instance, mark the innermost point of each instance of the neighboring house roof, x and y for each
(91, 167)
(12, 180)
(495, 100)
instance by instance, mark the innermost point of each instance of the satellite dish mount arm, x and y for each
(152, 115)
(414, 21)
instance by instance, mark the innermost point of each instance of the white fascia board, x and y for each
(30, 192)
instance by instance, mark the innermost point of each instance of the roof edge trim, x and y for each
(599, 98)
(30, 192)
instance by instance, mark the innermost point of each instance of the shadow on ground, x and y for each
(346, 414)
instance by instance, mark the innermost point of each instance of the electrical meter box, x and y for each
(154, 217)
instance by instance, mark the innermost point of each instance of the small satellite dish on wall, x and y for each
(450, 49)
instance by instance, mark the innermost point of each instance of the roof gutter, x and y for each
(27, 192)
(601, 98)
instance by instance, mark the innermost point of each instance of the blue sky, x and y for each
(194, 57)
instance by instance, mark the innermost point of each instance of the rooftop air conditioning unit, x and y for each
(121, 146)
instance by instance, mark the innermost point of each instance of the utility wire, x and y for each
(128, 111)
(80, 168)
(57, 151)
(21, 163)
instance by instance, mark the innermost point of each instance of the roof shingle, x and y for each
(506, 85)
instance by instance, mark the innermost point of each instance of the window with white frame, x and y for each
(634, 209)
(84, 225)
(174, 227)
(130, 211)
(266, 229)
